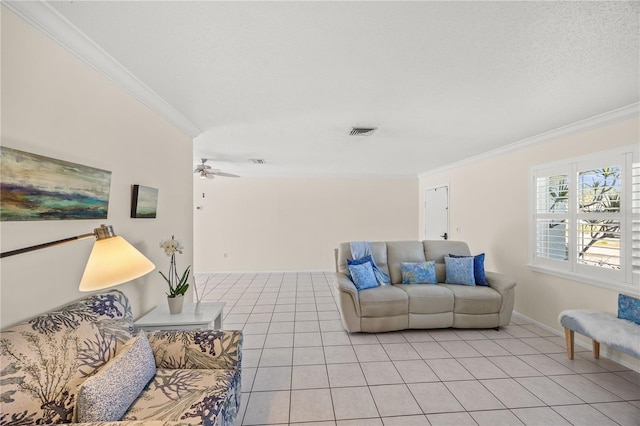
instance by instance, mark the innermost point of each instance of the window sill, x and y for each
(627, 288)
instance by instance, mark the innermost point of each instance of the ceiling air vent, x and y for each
(257, 160)
(362, 131)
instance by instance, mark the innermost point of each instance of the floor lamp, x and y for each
(112, 261)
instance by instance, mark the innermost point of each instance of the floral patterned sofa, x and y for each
(84, 363)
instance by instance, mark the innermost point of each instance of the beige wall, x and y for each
(55, 105)
(489, 209)
(274, 224)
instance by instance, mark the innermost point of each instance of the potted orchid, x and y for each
(178, 284)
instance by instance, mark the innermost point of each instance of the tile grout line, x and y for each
(319, 286)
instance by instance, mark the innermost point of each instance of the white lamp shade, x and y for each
(113, 261)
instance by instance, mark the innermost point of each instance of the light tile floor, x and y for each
(301, 367)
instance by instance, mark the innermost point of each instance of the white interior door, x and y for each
(436, 213)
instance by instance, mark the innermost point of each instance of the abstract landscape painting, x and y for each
(34, 187)
(144, 202)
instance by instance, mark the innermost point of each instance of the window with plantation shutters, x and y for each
(586, 219)
(598, 217)
(552, 216)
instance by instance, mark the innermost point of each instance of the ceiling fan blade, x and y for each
(225, 174)
(206, 171)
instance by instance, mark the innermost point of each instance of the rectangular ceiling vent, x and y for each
(362, 131)
(257, 160)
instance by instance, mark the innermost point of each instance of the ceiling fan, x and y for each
(206, 171)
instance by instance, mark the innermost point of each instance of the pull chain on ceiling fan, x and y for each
(205, 171)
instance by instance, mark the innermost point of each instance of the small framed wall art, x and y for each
(144, 202)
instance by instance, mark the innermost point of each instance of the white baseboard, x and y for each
(310, 271)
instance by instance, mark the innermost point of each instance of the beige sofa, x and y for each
(402, 306)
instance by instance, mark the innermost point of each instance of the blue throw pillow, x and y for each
(366, 259)
(418, 272)
(363, 276)
(629, 308)
(478, 268)
(459, 270)
(360, 261)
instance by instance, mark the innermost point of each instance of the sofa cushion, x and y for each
(474, 300)
(459, 270)
(441, 272)
(384, 301)
(402, 251)
(478, 268)
(188, 396)
(108, 394)
(438, 249)
(363, 276)
(379, 254)
(418, 272)
(428, 299)
(197, 349)
(45, 359)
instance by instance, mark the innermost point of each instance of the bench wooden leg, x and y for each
(568, 333)
(596, 349)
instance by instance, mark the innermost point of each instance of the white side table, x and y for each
(159, 318)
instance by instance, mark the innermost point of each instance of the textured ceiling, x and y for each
(442, 81)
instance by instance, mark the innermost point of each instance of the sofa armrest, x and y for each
(348, 302)
(195, 349)
(500, 282)
(344, 284)
(505, 285)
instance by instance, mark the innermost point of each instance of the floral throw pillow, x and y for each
(418, 272)
(459, 270)
(629, 308)
(478, 268)
(363, 276)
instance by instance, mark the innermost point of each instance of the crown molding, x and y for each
(50, 22)
(610, 117)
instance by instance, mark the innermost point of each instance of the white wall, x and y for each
(55, 105)
(489, 205)
(276, 224)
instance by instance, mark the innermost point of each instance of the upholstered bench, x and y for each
(621, 332)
